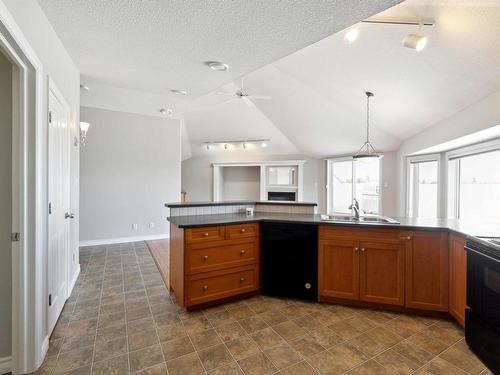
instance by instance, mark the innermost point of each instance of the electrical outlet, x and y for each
(151, 225)
(135, 226)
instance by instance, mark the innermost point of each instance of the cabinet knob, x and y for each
(356, 248)
(362, 249)
(205, 234)
(242, 279)
(205, 257)
(242, 252)
(205, 287)
(407, 238)
(243, 230)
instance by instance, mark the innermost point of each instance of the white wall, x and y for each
(5, 206)
(130, 167)
(479, 116)
(44, 46)
(197, 175)
(240, 183)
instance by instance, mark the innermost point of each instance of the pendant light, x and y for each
(367, 150)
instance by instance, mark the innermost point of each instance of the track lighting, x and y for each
(228, 145)
(415, 41)
(351, 35)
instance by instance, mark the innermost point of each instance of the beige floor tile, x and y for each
(196, 324)
(289, 330)
(230, 331)
(396, 363)
(282, 355)
(111, 333)
(231, 369)
(160, 369)
(267, 338)
(144, 358)
(242, 347)
(142, 340)
(204, 339)
(257, 364)
(252, 324)
(272, 317)
(185, 365)
(460, 356)
(115, 366)
(412, 352)
(77, 342)
(439, 366)
(109, 349)
(369, 368)
(426, 342)
(74, 359)
(301, 368)
(215, 356)
(177, 348)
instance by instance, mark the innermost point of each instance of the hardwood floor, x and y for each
(160, 250)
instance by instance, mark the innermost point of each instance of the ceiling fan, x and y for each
(241, 94)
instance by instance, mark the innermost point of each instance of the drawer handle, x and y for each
(242, 252)
(205, 287)
(205, 257)
(243, 230)
(356, 248)
(242, 279)
(205, 234)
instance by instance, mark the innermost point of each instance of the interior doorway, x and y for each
(6, 210)
(59, 205)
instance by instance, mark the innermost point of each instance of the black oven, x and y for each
(482, 318)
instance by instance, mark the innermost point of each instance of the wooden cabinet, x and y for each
(339, 269)
(212, 263)
(381, 271)
(427, 270)
(458, 278)
(370, 268)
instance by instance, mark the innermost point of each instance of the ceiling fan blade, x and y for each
(262, 97)
(248, 102)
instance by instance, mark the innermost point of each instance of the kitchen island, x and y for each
(416, 265)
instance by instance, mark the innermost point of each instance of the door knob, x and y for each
(69, 216)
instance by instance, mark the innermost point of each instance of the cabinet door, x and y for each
(427, 271)
(458, 278)
(339, 269)
(381, 272)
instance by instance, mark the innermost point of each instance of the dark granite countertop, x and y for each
(235, 203)
(467, 228)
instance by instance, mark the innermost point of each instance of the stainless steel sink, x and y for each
(362, 219)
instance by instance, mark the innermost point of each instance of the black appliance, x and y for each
(281, 196)
(482, 318)
(290, 260)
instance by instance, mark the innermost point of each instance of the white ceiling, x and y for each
(318, 92)
(318, 103)
(156, 45)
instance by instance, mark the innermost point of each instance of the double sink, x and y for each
(362, 219)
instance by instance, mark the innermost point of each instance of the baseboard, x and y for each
(73, 281)
(5, 365)
(45, 346)
(109, 241)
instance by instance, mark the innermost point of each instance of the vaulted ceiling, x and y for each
(295, 53)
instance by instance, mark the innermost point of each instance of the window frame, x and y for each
(329, 188)
(416, 159)
(457, 154)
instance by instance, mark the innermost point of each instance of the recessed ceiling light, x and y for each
(84, 87)
(415, 41)
(351, 35)
(217, 66)
(179, 92)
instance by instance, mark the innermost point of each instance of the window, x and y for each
(423, 187)
(358, 178)
(474, 185)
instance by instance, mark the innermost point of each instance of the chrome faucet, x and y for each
(355, 208)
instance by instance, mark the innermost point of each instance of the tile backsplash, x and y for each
(240, 209)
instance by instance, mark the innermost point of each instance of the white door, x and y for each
(59, 189)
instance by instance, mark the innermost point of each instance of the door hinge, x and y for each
(50, 117)
(50, 299)
(15, 237)
(50, 208)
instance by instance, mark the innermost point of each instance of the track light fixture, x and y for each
(245, 144)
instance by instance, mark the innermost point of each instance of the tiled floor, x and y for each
(121, 319)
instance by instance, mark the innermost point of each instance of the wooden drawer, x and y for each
(212, 286)
(327, 232)
(242, 231)
(205, 234)
(217, 257)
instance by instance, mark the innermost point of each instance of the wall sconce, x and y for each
(84, 127)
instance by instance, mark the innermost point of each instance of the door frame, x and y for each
(29, 346)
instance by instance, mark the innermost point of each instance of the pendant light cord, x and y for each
(367, 118)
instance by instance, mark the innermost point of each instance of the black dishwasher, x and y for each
(290, 260)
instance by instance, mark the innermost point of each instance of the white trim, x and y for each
(259, 163)
(5, 365)
(45, 345)
(479, 148)
(73, 281)
(109, 241)
(28, 267)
